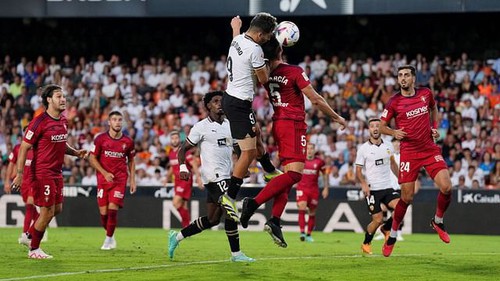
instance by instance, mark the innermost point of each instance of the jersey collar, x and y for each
(381, 142)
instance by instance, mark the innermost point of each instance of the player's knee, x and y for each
(296, 177)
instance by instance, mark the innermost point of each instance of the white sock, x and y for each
(399, 232)
(179, 236)
(438, 219)
(234, 254)
(394, 233)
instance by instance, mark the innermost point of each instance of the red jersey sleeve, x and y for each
(13, 154)
(32, 133)
(301, 78)
(388, 112)
(96, 148)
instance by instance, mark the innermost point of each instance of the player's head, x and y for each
(272, 49)
(311, 151)
(213, 102)
(53, 97)
(262, 25)
(175, 138)
(115, 121)
(374, 128)
(406, 76)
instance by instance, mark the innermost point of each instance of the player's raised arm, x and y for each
(236, 24)
(320, 102)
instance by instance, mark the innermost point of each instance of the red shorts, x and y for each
(308, 195)
(26, 189)
(182, 188)
(48, 192)
(111, 192)
(411, 163)
(290, 136)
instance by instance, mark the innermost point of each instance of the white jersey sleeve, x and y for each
(195, 135)
(360, 156)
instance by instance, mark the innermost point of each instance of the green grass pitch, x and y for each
(142, 255)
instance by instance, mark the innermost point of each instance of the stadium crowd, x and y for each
(160, 95)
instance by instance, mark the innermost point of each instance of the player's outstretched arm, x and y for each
(320, 102)
(80, 153)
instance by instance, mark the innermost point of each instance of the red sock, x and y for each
(36, 237)
(279, 203)
(399, 214)
(443, 201)
(302, 221)
(310, 224)
(104, 221)
(276, 186)
(185, 217)
(34, 215)
(111, 225)
(28, 216)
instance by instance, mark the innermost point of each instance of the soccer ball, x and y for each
(287, 33)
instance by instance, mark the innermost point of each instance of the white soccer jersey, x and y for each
(244, 57)
(216, 148)
(376, 163)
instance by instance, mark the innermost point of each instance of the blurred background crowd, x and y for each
(161, 94)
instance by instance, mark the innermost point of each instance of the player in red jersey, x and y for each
(308, 192)
(415, 113)
(182, 188)
(286, 86)
(31, 213)
(113, 158)
(47, 135)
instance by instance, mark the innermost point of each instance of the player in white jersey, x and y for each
(376, 158)
(246, 64)
(213, 137)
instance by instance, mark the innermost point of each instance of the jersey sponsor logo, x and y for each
(221, 142)
(417, 112)
(384, 113)
(237, 47)
(279, 79)
(379, 162)
(308, 172)
(280, 104)
(29, 134)
(59, 138)
(114, 154)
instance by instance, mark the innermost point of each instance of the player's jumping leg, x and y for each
(407, 193)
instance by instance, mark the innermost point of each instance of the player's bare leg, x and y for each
(443, 181)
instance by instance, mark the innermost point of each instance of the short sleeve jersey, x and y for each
(245, 56)
(48, 137)
(310, 174)
(285, 92)
(216, 149)
(412, 114)
(13, 155)
(376, 161)
(113, 155)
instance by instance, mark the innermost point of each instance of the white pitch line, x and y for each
(218, 261)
